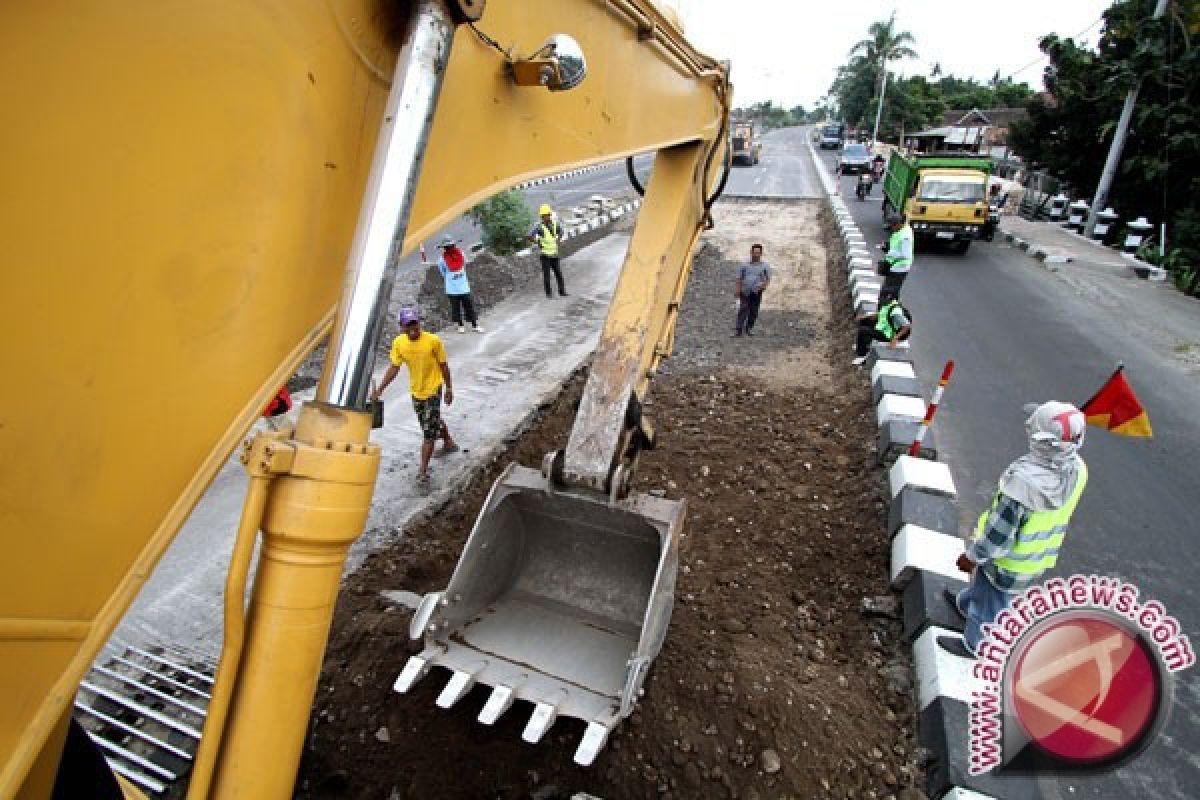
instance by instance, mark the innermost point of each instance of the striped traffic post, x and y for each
(929, 412)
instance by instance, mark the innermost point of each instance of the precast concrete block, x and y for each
(899, 369)
(943, 728)
(881, 351)
(896, 436)
(859, 274)
(928, 476)
(933, 512)
(915, 548)
(926, 603)
(891, 406)
(890, 384)
(939, 672)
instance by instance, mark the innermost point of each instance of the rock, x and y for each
(732, 625)
(898, 678)
(709, 730)
(876, 753)
(881, 606)
(650, 774)
(770, 761)
(383, 735)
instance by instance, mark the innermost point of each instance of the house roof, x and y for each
(974, 117)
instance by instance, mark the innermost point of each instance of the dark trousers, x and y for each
(893, 281)
(866, 332)
(461, 304)
(747, 313)
(550, 263)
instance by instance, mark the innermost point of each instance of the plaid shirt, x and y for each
(998, 539)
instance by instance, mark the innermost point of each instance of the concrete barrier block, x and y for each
(891, 406)
(880, 351)
(895, 437)
(933, 512)
(939, 673)
(928, 476)
(858, 252)
(859, 273)
(866, 305)
(861, 263)
(943, 728)
(866, 282)
(916, 548)
(899, 369)
(891, 384)
(866, 293)
(925, 604)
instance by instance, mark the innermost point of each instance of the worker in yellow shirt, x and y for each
(428, 371)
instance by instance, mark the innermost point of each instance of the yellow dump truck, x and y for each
(943, 197)
(196, 196)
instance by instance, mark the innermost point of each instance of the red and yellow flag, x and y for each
(1116, 408)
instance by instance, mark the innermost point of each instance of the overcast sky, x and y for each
(789, 50)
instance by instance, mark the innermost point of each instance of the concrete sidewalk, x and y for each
(532, 345)
(1052, 243)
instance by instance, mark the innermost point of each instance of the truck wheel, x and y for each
(962, 246)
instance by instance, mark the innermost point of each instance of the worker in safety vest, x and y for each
(891, 324)
(546, 235)
(1020, 535)
(898, 252)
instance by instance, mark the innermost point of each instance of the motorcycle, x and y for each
(863, 187)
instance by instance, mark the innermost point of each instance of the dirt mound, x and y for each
(772, 683)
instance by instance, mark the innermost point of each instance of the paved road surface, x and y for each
(1019, 334)
(784, 169)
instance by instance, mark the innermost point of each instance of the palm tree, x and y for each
(883, 44)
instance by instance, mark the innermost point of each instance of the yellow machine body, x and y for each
(183, 182)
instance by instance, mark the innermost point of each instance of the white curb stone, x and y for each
(958, 793)
(927, 476)
(893, 406)
(940, 674)
(915, 548)
(895, 369)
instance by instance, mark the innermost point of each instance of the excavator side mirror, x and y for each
(558, 65)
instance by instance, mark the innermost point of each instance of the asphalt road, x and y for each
(1019, 333)
(784, 169)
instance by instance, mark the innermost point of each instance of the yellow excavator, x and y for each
(197, 196)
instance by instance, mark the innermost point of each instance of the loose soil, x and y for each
(772, 683)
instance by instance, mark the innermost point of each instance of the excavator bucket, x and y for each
(560, 598)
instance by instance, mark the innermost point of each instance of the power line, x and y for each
(1039, 59)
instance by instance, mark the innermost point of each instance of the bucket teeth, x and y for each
(540, 720)
(592, 743)
(499, 702)
(414, 669)
(456, 688)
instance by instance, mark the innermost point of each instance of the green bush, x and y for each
(505, 220)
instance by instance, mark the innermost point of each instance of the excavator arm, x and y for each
(185, 222)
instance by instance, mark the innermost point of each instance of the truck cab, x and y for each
(746, 151)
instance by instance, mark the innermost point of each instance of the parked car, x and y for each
(855, 158)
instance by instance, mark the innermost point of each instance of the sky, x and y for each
(788, 51)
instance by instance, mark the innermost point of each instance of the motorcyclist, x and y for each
(863, 187)
(877, 167)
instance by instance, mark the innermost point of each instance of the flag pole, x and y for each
(915, 449)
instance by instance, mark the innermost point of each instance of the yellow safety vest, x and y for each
(1040, 536)
(547, 241)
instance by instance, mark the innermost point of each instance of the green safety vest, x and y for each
(547, 240)
(1041, 536)
(905, 232)
(883, 320)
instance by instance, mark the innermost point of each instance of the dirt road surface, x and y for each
(772, 683)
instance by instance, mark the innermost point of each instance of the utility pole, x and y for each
(882, 94)
(1100, 199)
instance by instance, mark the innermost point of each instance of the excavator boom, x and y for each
(184, 223)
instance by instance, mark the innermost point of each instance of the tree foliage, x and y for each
(506, 221)
(1070, 128)
(767, 115)
(915, 102)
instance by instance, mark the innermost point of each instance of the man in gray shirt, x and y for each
(752, 280)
